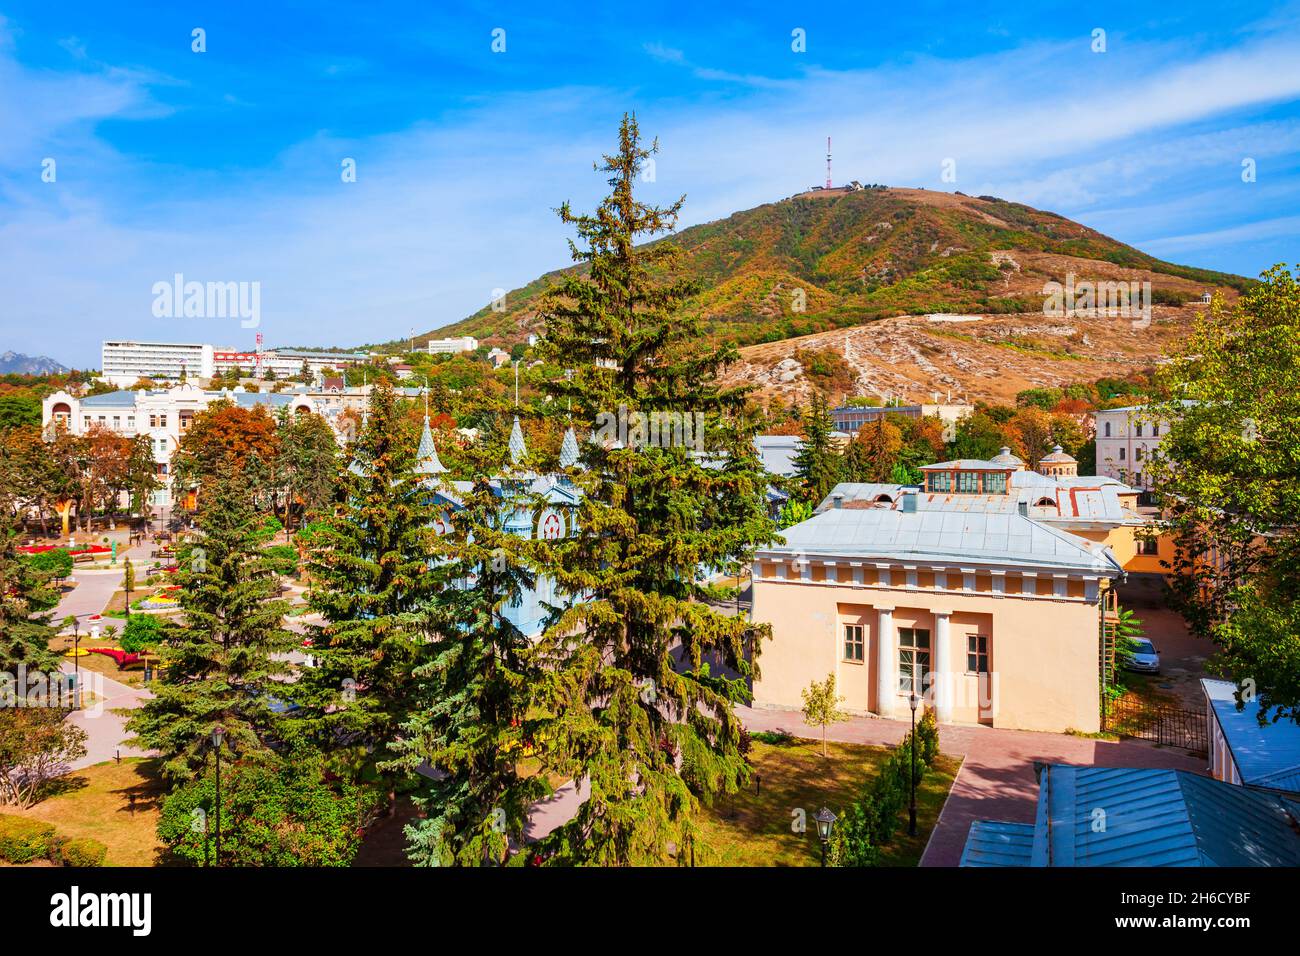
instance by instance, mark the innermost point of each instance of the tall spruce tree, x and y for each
(26, 603)
(474, 682)
(370, 565)
(626, 700)
(818, 463)
(223, 660)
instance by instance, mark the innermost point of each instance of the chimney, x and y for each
(838, 498)
(909, 502)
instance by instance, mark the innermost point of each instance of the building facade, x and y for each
(1126, 440)
(123, 363)
(464, 343)
(851, 418)
(165, 415)
(992, 617)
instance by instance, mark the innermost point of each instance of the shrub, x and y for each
(83, 852)
(23, 840)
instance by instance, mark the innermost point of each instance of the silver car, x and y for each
(1145, 659)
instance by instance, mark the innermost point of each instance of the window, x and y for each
(977, 654)
(1121, 454)
(162, 421)
(913, 660)
(995, 483)
(1147, 546)
(153, 421)
(940, 481)
(1139, 430)
(968, 482)
(1138, 452)
(1108, 429)
(854, 642)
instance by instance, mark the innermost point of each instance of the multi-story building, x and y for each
(1126, 439)
(123, 363)
(165, 415)
(465, 343)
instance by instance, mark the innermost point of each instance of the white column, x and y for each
(943, 667)
(886, 653)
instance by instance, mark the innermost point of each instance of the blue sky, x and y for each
(225, 165)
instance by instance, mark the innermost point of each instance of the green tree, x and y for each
(370, 568)
(223, 659)
(475, 675)
(818, 463)
(282, 812)
(26, 600)
(307, 464)
(873, 453)
(821, 706)
(1228, 479)
(625, 699)
(142, 633)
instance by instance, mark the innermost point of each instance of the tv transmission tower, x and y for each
(828, 162)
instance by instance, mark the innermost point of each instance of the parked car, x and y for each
(1145, 659)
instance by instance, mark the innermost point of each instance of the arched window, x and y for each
(1108, 429)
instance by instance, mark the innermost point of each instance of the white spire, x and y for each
(569, 453)
(518, 450)
(426, 456)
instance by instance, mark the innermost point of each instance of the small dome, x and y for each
(1004, 457)
(1058, 456)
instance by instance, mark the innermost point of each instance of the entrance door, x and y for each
(978, 655)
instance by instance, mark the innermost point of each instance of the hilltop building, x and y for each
(123, 363)
(464, 343)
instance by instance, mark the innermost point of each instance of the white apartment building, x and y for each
(123, 363)
(165, 415)
(1126, 439)
(466, 343)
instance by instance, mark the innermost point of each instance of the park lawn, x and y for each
(96, 803)
(753, 828)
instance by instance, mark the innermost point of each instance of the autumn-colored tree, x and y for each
(244, 440)
(1029, 433)
(874, 451)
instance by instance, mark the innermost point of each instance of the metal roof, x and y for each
(777, 452)
(1121, 816)
(945, 536)
(995, 843)
(1267, 755)
(121, 399)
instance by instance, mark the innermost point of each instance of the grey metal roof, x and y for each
(852, 492)
(121, 399)
(1267, 755)
(995, 843)
(777, 452)
(944, 536)
(1121, 816)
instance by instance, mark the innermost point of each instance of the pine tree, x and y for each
(474, 678)
(614, 706)
(26, 602)
(818, 464)
(222, 661)
(370, 564)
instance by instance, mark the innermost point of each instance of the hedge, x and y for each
(84, 852)
(872, 820)
(23, 840)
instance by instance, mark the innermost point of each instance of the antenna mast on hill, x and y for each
(828, 162)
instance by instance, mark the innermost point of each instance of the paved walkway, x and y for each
(996, 781)
(105, 729)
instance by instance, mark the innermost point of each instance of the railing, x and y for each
(1161, 723)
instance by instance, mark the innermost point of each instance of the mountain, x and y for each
(864, 255)
(16, 362)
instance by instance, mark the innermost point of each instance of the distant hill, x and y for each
(17, 363)
(834, 259)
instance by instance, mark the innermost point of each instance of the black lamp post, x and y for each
(911, 808)
(76, 661)
(218, 734)
(825, 823)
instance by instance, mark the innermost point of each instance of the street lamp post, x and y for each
(825, 823)
(911, 808)
(218, 733)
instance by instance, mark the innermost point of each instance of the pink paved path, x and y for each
(996, 781)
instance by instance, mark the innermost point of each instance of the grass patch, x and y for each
(96, 803)
(753, 828)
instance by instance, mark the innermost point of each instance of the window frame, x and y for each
(854, 639)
